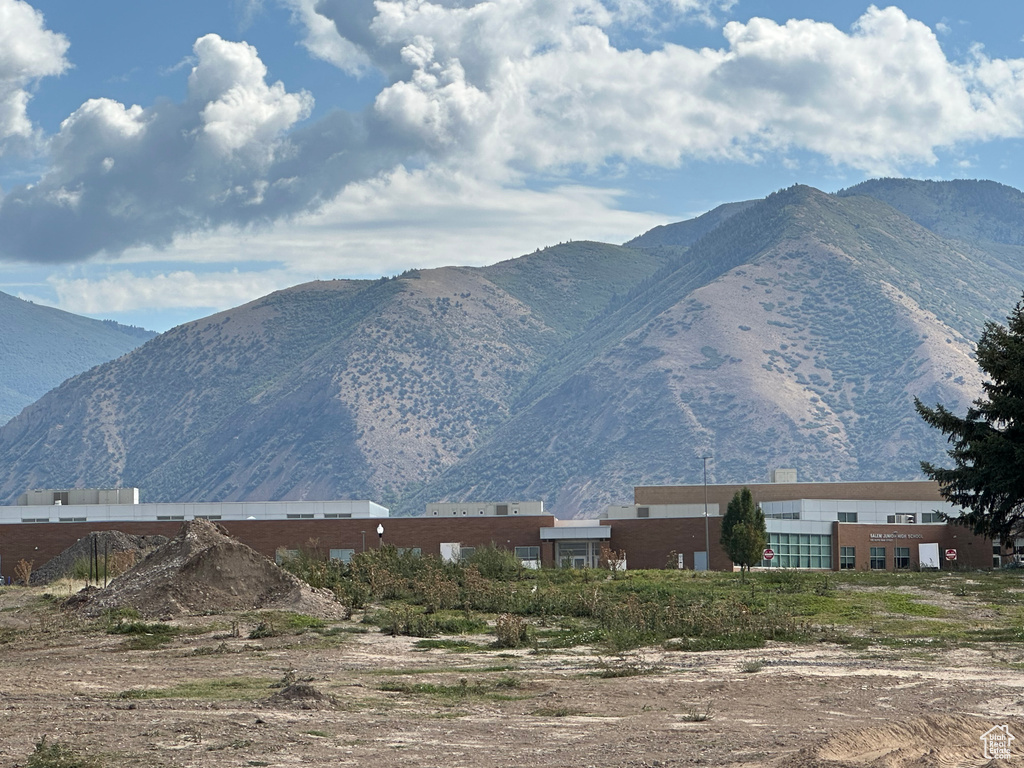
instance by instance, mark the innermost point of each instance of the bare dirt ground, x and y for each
(214, 697)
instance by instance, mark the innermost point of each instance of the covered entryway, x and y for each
(577, 546)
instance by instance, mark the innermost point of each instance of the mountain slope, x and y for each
(326, 390)
(40, 347)
(962, 209)
(807, 353)
(790, 331)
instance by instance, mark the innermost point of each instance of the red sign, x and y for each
(951, 554)
(769, 554)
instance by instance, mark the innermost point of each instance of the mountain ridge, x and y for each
(788, 331)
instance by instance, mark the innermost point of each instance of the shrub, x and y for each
(54, 754)
(512, 631)
(23, 571)
(495, 563)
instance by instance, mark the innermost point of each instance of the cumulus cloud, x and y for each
(126, 175)
(28, 52)
(500, 92)
(875, 98)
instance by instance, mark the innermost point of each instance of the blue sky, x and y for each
(163, 161)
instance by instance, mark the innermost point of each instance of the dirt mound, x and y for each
(926, 742)
(302, 695)
(200, 571)
(117, 551)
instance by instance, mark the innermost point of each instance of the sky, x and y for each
(160, 162)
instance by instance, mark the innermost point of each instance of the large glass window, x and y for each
(847, 517)
(528, 553)
(847, 558)
(878, 558)
(901, 557)
(799, 550)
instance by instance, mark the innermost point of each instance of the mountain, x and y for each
(40, 347)
(791, 331)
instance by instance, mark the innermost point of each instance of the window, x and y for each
(932, 517)
(799, 550)
(344, 555)
(901, 519)
(847, 517)
(878, 558)
(207, 517)
(339, 515)
(467, 552)
(528, 553)
(303, 516)
(901, 557)
(412, 551)
(847, 558)
(170, 517)
(60, 497)
(72, 519)
(35, 519)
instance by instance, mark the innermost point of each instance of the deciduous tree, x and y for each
(744, 534)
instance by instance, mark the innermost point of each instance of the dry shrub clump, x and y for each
(512, 631)
(23, 571)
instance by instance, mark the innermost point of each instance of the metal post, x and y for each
(707, 532)
(364, 541)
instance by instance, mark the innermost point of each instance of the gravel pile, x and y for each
(204, 571)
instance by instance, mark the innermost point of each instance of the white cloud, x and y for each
(323, 41)
(28, 52)
(124, 291)
(403, 221)
(240, 109)
(496, 94)
(875, 98)
(120, 176)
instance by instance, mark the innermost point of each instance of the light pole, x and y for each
(364, 540)
(380, 535)
(707, 535)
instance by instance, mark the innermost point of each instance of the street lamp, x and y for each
(380, 535)
(707, 535)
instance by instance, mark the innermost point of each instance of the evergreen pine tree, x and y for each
(988, 443)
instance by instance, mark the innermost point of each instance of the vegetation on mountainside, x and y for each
(794, 333)
(964, 209)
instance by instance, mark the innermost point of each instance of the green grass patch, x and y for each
(461, 646)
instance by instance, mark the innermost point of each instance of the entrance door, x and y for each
(700, 561)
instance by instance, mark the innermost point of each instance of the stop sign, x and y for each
(951, 554)
(769, 554)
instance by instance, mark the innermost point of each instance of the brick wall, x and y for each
(656, 542)
(972, 551)
(39, 542)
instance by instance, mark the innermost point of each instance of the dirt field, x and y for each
(212, 696)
